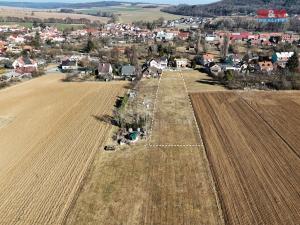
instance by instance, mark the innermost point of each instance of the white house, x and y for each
(181, 63)
(25, 65)
(69, 64)
(161, 63)
(164, 36)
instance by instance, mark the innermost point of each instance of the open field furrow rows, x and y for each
(48, 159)
(256, 173)
(45, 177)
(275, 115)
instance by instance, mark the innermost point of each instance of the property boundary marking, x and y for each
(208, 166)
(153, 119)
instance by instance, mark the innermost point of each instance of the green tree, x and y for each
(90, 45)
(293, 63)
(36, 41)
(134, 56)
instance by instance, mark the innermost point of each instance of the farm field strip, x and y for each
(172, 99)
(191, 106)
(255, 171)
(153, 112)
(38, 184)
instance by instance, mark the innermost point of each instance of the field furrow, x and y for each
(39, 181)
(255, 168)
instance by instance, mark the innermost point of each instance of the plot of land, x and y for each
(129, 14)
(48, 146)
(252, 142)
(200, 82)
(21, 13)
(141, 185)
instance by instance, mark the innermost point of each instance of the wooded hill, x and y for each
(229, 7)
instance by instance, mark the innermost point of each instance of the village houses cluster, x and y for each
(24, 50)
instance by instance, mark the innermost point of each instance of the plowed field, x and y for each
(47, 145)
(252, 142)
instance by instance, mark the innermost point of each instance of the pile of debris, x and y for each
(130, 136)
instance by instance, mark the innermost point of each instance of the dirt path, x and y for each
(49, 144)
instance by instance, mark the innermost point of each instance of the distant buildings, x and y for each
(25, 65)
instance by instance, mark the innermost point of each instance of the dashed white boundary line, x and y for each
(192, 109)
(154, 111)
(208, 167)
(153, 120)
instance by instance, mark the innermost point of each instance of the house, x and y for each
(183, 35)
(69, 64)
(233, 59)
(214, 69)
(151, 72)
(279, 59)
(211, 38)
(225, 67)
(24, 65)
(164, 36)
(2, 47)
(181, 63)
(161, 63)
(105, 69)
(206, 58)
(265, 66)
(281, 56)
(128, 71)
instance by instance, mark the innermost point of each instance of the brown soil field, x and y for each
(252, 143)
(49, 144)
(161, 184)
(21, 13)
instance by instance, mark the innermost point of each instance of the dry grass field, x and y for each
(252, 142)
(21, 13)
(129, 14)
(173, 123)
(200, 82)
(142, 185)
(49, 136)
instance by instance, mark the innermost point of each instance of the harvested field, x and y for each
(49, 145)
(141, 185)
(252, 142)
(21, 13)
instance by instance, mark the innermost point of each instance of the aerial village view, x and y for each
(150, 112)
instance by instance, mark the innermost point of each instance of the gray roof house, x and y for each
(128, 71)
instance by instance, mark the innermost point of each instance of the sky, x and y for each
(191, 2)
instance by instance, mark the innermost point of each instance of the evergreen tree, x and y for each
(293, 63)
(90, 45)
(36, 42)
